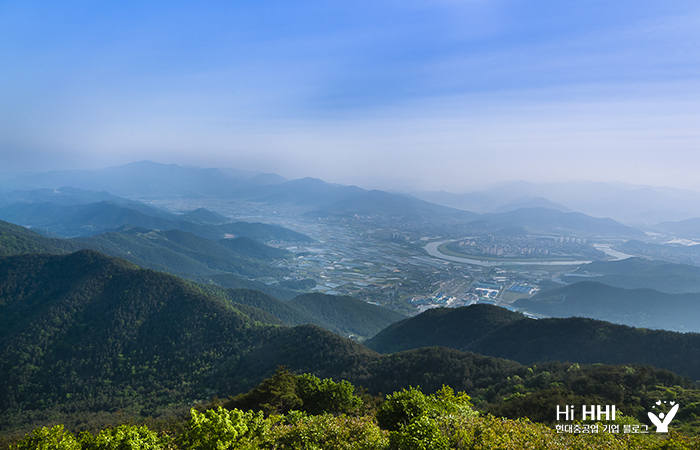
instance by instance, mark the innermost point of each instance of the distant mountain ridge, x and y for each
(630, 204)
(634, 307)
(633, 273)
(382, 203)
(545, 219)
(148, 180)
(688, 228)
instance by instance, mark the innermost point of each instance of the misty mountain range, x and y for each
(568, 207)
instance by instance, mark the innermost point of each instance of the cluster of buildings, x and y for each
(528, 246)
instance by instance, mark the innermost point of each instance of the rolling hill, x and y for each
(384, 204)
(546, 220)
(229, 262)
(635, 307)
(494, 331)
(15, 240)
(632, 273)
(345, 315)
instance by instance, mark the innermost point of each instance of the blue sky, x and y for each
(441, 94)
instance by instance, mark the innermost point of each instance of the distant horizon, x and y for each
(473, 189)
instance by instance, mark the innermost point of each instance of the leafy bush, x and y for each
(423, 433)
(401, 408)
(221, 429)
(328, 432)
(124, 437)
(326, 396)
(284, 392)
(44, 438)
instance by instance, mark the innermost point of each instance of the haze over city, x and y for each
(393, 95)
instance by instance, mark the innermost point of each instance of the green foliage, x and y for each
(222, 429)
(124, 437)
(422, 433)
(404, 407)
(440, 421)
(275, 395)
(178, 252)
(326, 396)
(328, 432)
(55, 438)
(284, 392)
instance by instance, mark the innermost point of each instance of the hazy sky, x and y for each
(410, 94)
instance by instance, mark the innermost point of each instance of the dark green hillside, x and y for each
(15, 240)
(86, 339)
(345, 315)
(229, 280)
(532, 391)
(494, 331)
(635, 307)
(96, 333)
(632, 273)
(455, 328)
(282, 310)
(248, 247)
(314, 350)
(593, 341)
(305, 348)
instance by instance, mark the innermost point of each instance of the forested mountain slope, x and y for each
(84, 336)
(98, 332)
(494, 331)
(344, 315)
(228, 262)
